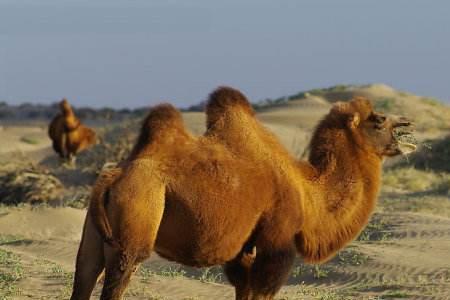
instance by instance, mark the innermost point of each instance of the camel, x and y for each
(204, 201)
(68, 135)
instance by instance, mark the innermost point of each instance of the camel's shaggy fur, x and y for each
(234, 196)
(68, 135)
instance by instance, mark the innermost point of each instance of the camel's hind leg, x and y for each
(120, 266)
(90, 262)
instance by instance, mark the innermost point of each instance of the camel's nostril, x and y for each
(402, 122)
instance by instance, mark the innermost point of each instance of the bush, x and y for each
(436, 156)
(30, 184)
(384, 104)
(115, 145)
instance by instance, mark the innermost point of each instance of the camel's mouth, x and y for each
(406, 141)
(406, 148)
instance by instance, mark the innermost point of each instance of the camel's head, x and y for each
(374, 131)
(65, 106)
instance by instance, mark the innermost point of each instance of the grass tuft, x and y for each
(376, 230)
(29, 140)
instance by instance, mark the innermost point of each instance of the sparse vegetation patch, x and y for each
(350, 256)
(115, 145)
(384, 104)
(211, 275)
(321, 294)
(29, 140)
(395, 295)
(376, 230)
(171, 271)
(11, 272)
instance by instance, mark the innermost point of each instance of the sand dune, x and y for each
(401, 255)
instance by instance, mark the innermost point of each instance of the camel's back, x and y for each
(80, 138)
(90, 137)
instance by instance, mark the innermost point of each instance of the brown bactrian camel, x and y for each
(234, 197)
(68, 135)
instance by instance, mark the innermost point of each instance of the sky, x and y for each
(132, 53)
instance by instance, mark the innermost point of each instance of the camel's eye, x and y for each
(378, 120)
(381, 119)
(379, 127)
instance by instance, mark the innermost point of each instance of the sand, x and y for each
(414, 260)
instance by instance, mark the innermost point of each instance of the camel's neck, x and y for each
(70, 120)
(341, 198)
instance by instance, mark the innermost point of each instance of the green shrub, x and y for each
(384, 104)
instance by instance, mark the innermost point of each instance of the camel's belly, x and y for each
(201, 241)
(204, 226)
(197, 252)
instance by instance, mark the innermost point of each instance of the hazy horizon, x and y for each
(137, 53)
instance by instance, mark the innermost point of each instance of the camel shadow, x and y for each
(330, 273)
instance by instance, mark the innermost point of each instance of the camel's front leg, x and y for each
(270, 271)
(238, 272)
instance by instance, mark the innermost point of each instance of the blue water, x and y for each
(128, 53)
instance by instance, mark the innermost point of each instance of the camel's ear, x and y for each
(353, 120)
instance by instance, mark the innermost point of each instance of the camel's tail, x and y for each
(97, 205)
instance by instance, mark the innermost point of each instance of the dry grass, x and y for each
(435, 156)
(435, 205)
(11, 272)
(29, 140)
(115, 145)
(416, 190)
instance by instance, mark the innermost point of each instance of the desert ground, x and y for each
(404, 252)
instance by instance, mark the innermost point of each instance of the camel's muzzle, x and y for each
(403, 134)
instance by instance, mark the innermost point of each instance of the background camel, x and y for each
(194, 201)
(68, 135)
